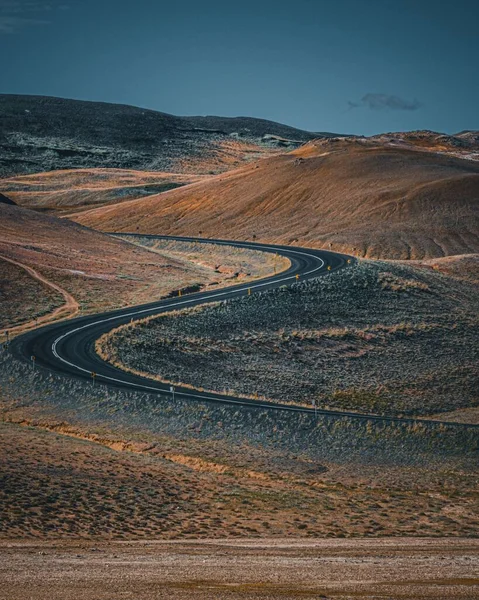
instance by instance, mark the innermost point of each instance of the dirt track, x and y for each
(68, 309)
(391, 568)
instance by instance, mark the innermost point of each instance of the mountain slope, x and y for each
(41, 134)
(365, 196)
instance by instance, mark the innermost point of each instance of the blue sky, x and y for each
(353, 66)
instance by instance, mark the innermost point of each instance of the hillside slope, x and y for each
(371, 197)
(43, 258)
(79, 189)
(52, 268)
(41, 134)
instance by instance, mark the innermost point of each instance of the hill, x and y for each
(79, 189)
(42, 134)
(390, 197)
(53, 268)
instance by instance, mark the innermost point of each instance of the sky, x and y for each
(346, 66)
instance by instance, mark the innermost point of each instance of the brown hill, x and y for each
(464, 144)
(373, 197)
(78, 189)
(49, 264)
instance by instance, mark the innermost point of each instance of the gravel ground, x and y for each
(244, 569)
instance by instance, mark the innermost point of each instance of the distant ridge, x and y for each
(41, 133)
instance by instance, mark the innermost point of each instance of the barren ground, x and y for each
(417, 569)
(78, 189)
(369, 197)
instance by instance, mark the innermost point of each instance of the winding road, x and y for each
(68, 347)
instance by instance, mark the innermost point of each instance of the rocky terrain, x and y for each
(43, 134)
(378, 337)
(403, 196)
(410, 569)
(464, 144)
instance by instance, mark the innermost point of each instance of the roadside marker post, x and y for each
(329, 267)
(249, 291)
(297, 276)
(172, 390)
(179, 293)
(93, 375)
(33, 362)
(315, 407)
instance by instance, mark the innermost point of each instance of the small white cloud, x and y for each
(385, 102)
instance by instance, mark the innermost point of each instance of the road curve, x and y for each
(68, 347)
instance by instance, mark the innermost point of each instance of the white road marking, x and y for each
(182, 303)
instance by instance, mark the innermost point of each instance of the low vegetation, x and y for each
(233, 265)
(379, 337)
(99, 272)
(98, 463)
(34, 301)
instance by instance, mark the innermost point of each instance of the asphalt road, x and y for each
(68, 347)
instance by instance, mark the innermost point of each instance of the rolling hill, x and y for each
(403, 196)
(49, 264)
(79, 189)
(42, 134)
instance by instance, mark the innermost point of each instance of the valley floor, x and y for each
(245, 569)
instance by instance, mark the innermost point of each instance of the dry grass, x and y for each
(233, 265)
(373, 199)
(78, 189)
(379, 337)
(34, 301)
(465, 267)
